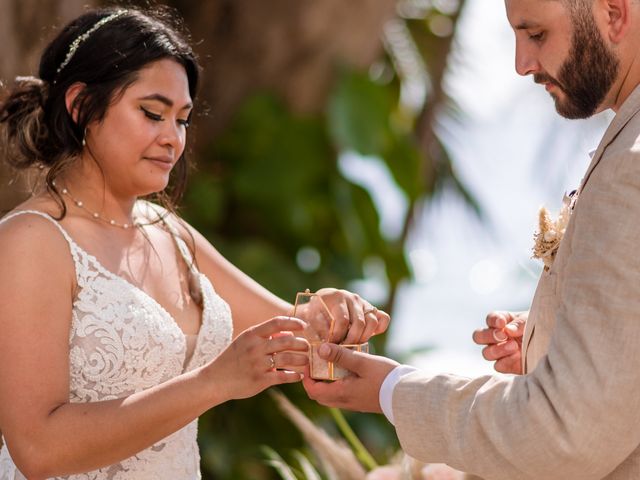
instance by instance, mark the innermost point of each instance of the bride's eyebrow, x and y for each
(167, 101)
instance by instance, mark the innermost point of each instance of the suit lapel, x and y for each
(528, 334)
(629, 108)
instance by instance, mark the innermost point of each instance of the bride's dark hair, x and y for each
(36, 127)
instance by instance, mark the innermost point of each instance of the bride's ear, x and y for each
(70, 99)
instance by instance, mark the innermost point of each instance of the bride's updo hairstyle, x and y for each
(103, 49)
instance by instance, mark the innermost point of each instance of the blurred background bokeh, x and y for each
(384, 146)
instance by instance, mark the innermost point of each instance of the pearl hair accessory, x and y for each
(96, 215)
(78, 41)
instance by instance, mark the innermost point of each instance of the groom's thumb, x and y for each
(339, 355)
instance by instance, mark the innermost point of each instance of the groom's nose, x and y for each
(526, 59)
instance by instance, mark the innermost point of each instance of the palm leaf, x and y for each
(309, 471)
(336, 457)
(278, 463)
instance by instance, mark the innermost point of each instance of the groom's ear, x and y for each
(616, 16)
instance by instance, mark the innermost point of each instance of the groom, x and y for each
(574, 414)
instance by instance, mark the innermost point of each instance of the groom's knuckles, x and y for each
(491, 353)
(339, 355)
(497, 319)
(314, 389)
(515, 328)
(331, 394)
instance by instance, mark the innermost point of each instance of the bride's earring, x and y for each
(84, 138)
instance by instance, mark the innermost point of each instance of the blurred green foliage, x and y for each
(270, 188)
(269, 191)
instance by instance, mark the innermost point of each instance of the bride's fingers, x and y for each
(383, 322)
(279, 344)
(341, 314)
(282, 334)
(357, 323)
(373, 318)
(370, 329)
(278, 324)
(277, 377)
(285, 360)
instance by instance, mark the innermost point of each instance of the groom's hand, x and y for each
(359, 391)
(502, 340)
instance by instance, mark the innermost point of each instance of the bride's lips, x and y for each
(164, 162)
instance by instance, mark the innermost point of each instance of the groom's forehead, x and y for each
(524, 14)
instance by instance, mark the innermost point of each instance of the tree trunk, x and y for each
(25, 28)
(292, 47)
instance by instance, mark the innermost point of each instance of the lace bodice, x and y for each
(122, 341)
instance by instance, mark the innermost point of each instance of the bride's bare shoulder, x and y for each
(30, 233)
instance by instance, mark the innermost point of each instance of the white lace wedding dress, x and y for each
(122, 341)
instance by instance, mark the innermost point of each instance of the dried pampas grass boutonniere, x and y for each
(547, 239)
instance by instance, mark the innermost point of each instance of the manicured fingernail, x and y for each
(512, 328)
(499, 335)
(324, 350)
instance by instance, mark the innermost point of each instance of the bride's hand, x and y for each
(250, 363)
(356, 320)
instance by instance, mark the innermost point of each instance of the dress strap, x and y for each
(181, 245)
(64, 233)
(195, 289)
(75, 251)
(185, 253)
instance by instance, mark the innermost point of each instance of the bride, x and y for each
(117, 318)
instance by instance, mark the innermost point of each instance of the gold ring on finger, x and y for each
(272, 361)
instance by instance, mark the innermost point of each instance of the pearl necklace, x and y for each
(96, 215)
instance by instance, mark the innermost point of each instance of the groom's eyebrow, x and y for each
(525, 25)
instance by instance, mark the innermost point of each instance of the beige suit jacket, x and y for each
(575, 414)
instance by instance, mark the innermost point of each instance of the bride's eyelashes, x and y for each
(152, 116)
(158, 118)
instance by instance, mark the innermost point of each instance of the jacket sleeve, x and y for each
(577, 414)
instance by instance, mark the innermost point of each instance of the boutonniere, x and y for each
(547, 239)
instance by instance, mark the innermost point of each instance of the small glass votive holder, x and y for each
(321, 369)
(310, 308)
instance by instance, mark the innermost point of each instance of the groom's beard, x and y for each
(587, 74)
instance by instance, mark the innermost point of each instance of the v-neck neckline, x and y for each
(147, 295)
(114, 276)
